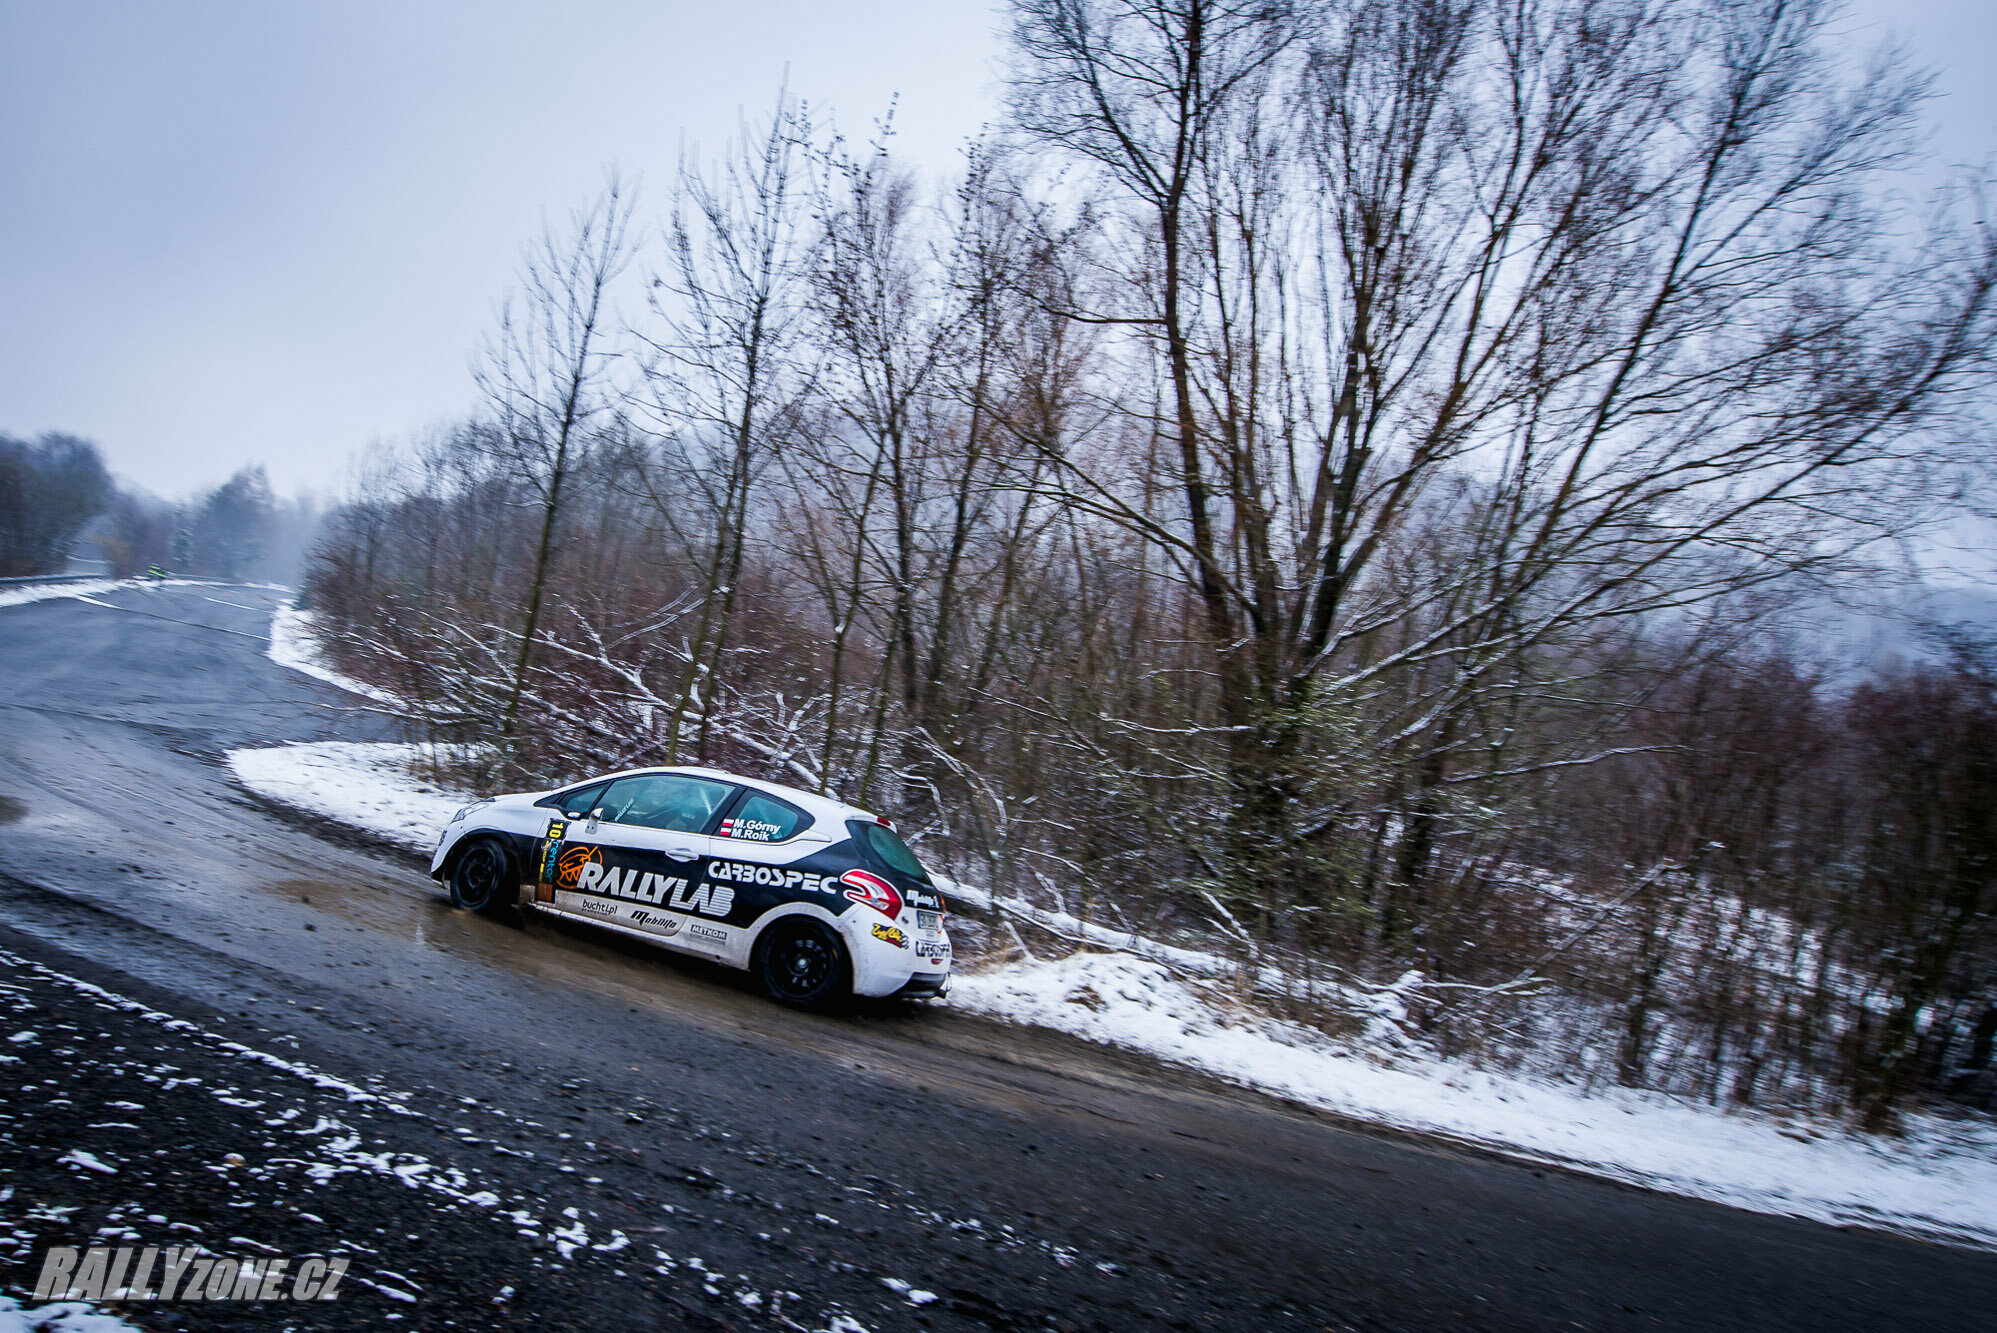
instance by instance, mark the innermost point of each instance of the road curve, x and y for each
(1024, 1179)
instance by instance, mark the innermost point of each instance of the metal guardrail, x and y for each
(33, 580)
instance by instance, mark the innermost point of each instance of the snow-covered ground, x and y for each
(292, 645)
(88, 588)
(367, 786)
(42, 592)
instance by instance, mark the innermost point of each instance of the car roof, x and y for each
(819, 807)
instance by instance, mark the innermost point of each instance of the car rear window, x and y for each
(887, 845)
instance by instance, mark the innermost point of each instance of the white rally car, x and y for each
(818, 898)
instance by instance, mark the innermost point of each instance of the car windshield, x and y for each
(887, 845)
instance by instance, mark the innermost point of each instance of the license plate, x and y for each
(930, 921)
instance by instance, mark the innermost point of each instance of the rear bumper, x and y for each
(889, 963)
(924, 986)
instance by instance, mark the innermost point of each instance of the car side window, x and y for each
(669, 801)
(578, 804)
(762, 818)
(574, 804)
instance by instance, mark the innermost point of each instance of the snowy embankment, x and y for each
(42, 592)
(292, 645)
(85, 589)
(1939, 1180)
(365, 786)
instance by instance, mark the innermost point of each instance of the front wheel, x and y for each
(483, 879)
(802, 964)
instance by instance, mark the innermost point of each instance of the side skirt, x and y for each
(656, 941)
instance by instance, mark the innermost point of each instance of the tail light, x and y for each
(866, 887)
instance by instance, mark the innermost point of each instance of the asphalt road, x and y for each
(1026, 1180)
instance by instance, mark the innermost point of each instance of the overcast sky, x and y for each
(273, 232)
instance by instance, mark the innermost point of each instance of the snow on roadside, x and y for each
(367, 785)
(1939, 1180)
(43, 592)
(293, 645)
(1381, 1009)
(47, 591)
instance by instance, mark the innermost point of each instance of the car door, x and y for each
(636, 862)
(767, 849)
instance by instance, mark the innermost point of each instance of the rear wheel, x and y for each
(483, 878)
(803, 964)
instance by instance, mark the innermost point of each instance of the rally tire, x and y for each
(483, 879)
(804, 965)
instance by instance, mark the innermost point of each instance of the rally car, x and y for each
(817, 898)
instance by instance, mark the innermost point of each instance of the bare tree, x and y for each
(544, 375)
(1502, 356)
(1145, 89)
(889, 332)
(722, 375)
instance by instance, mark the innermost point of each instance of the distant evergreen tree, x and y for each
(48, 491)
(231, 529)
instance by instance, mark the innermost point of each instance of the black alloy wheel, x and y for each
(803, 965)
(482, 879)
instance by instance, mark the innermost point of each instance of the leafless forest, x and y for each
(1326, 481)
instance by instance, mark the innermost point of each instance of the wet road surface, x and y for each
(1027, 1180)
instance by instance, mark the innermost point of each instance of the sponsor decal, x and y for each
(573, 863)
(550, 850)
(701, 931)
(776, 877)
(664, 925)
(181, 1273)
(749, 830)
(633, 885)
(934, 950)
(892, 934)
(708, 899)
(864, 886)
(630, 885)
